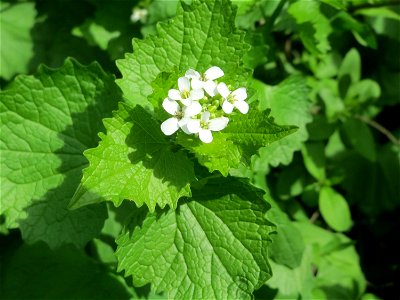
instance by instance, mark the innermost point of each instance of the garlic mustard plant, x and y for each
(200, 104)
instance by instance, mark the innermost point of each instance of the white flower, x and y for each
(233, 99)
(185, 94)
(139, 14)
(204, 126)
(180, 116)
(205, 81)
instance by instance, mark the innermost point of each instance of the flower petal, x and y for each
(213, 73)
(174, 94)
(205, 116)
(170, 126)
(218, 124)
(193, 109)
(187, 102)
(240, 94)
(211, 88)
(205, 136)
(193, 126)
(227, 107)
(170, 106)
(196, 94)
(223, 90)
(197, 83)
(183, 84)
(192, 74)
(183, 125)
(242, 106)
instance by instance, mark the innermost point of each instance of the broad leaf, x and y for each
(16, 22)
(47, 121)
(199, 36)
(213, 246)
(134, 161)
(66, 273)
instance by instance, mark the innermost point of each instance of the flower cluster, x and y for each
(200, 105)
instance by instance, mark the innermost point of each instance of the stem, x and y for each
(380, 128)
(374, 5)
(314, 217)
(275, 14)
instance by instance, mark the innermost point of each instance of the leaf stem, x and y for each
(373, 5)
(380, 128)
(275, 14)
(314, 217)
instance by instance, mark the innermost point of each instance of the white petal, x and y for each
(183, 125)
(174, 94)
(223, 90)
(205, 136)
(240, 94)
(193, 126)
(187, 102)
(218, 124)
(196, 94)
(170, 106)
(242, 106)
(170, 126)
(192, 74)
(193, 109)
(227, 107)
(214, 73)
(205, 116)
(183, 84)
(197, 84)
(210, 87)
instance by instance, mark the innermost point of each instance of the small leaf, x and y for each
(314, 159)
(16, 23)
(334, 209)
(214, 246)
(134, 161)
(360, 138)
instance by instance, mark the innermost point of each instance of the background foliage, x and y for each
(329, 67)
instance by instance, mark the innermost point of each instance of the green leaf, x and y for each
(337, 265)
(334, 209)
(287, 245)
(134, 161)
(47, 121)
(349, 72)
(63, 274)
(199, 36)
(289, 104)
(293, 282)
(214, 246)
(16, 22)
(313, 26)
(360, 137)
(361, 31)
(314, 159)
(241, 139)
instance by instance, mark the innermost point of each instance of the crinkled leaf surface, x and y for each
(134, 161)
(211, 247)
(289, 104)
(66, 273)
(16, 49)
(243, 136)
(200, 36)
(47, 121)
